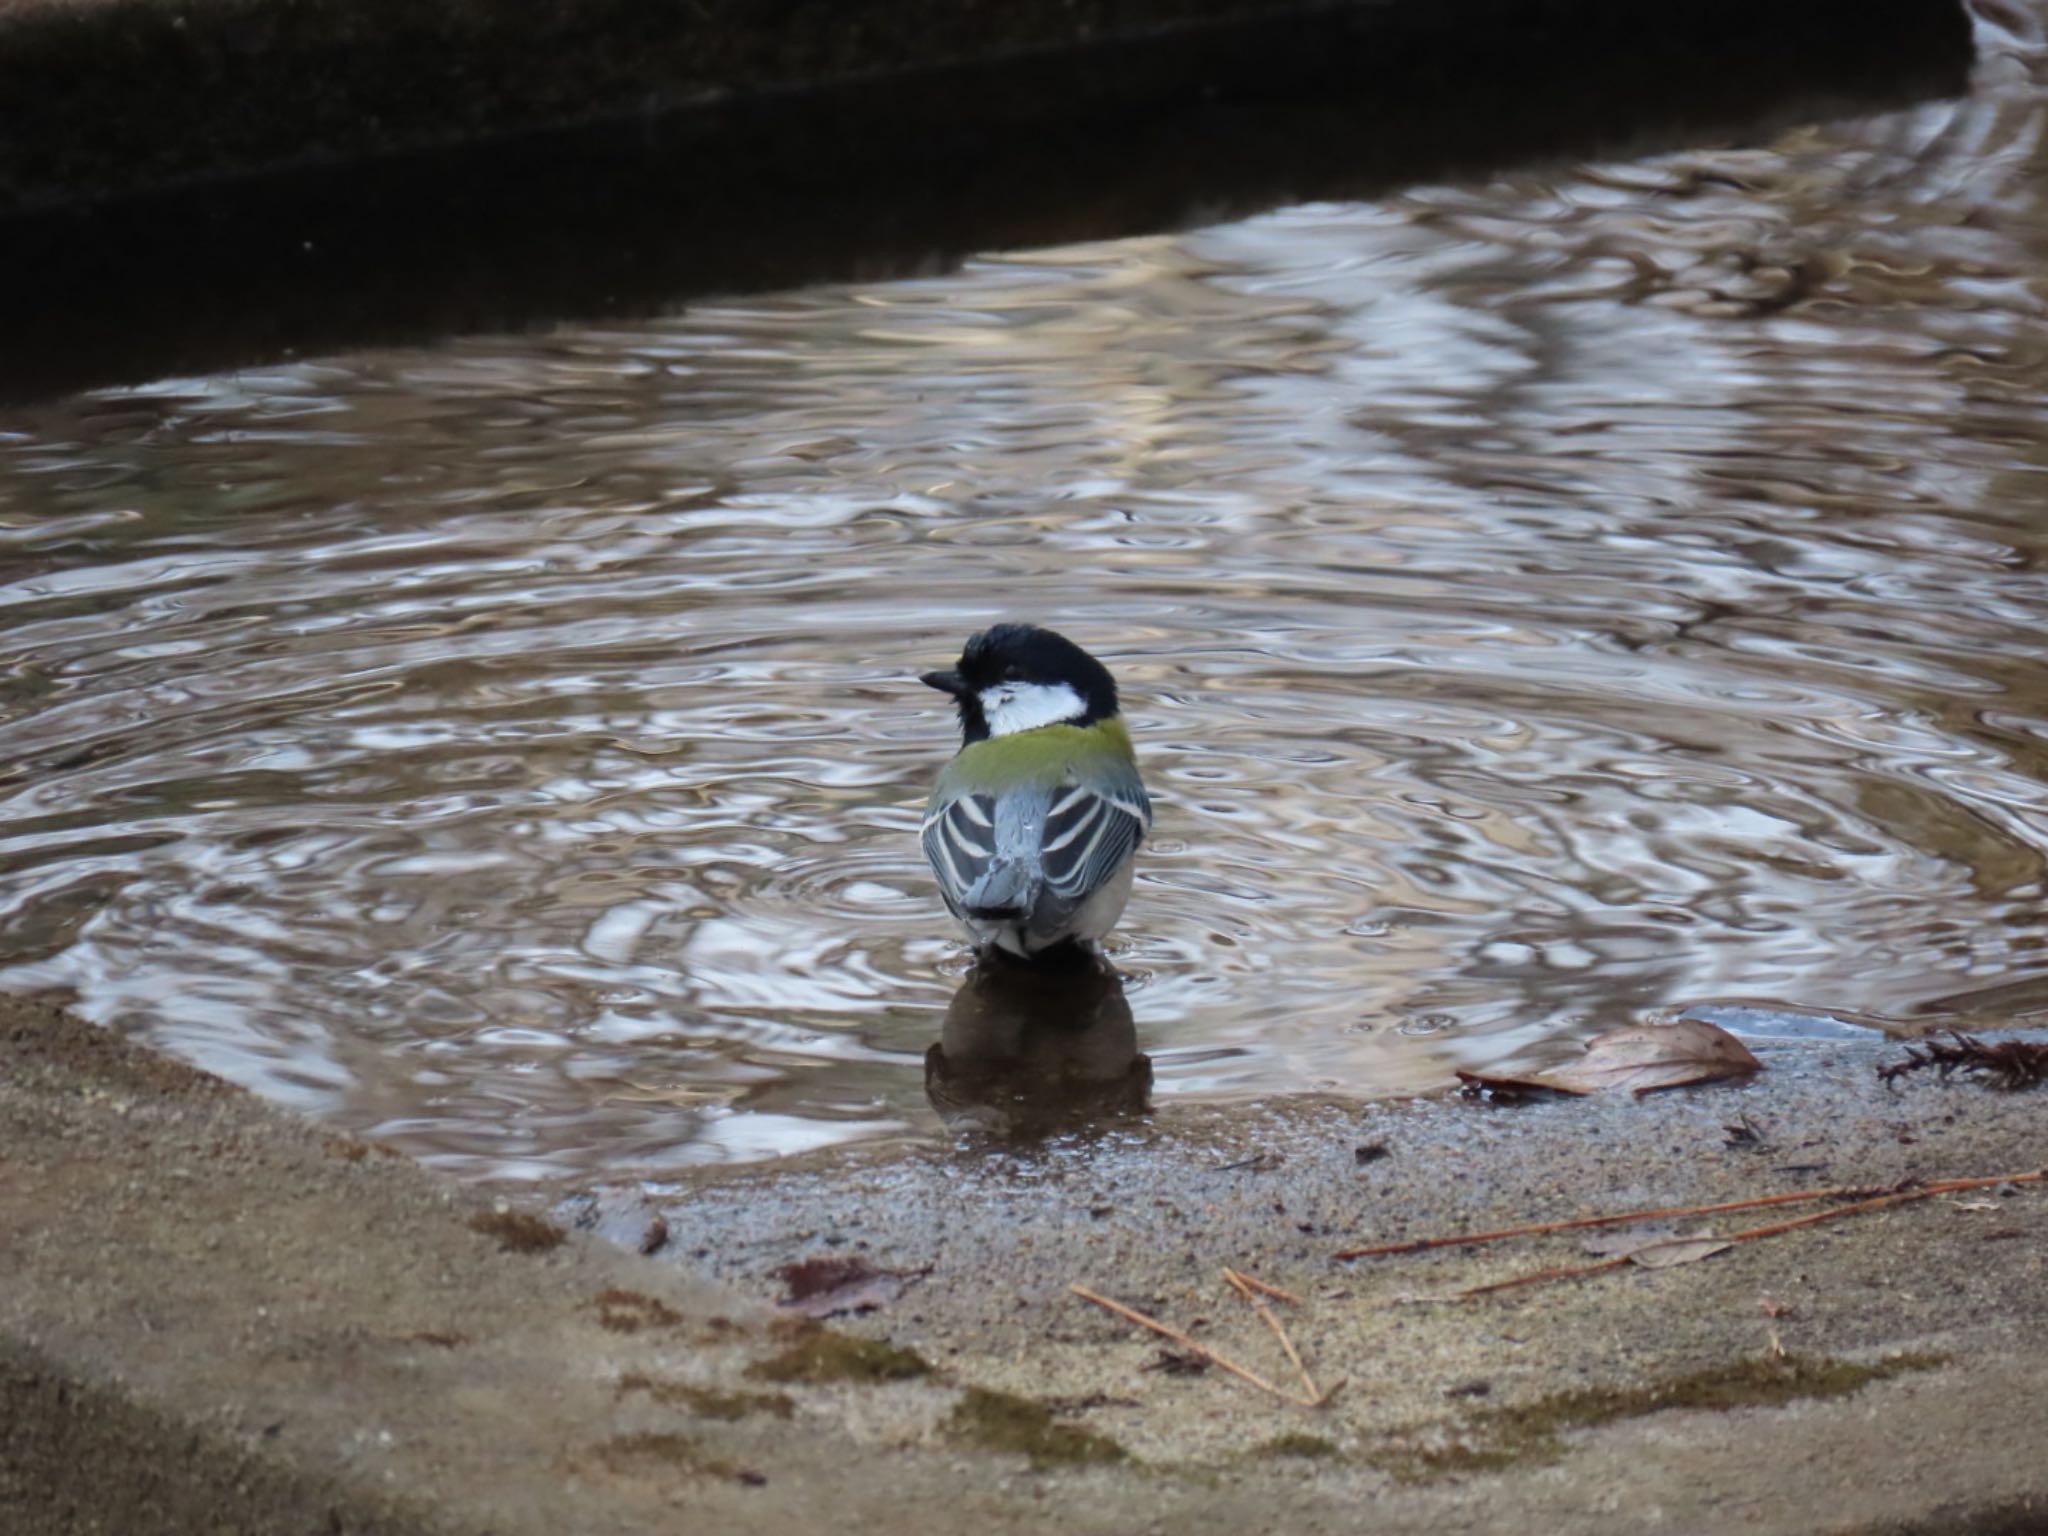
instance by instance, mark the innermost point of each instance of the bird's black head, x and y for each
(1017, 676)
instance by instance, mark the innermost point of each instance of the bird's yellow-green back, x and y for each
(1047, 756)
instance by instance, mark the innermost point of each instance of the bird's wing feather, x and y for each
(959, 838)
(1089, 831)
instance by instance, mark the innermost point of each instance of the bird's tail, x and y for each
(1005, 890)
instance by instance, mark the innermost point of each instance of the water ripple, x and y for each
(1539, 604)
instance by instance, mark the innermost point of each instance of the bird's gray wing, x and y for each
(1090, 829)
(959, 838)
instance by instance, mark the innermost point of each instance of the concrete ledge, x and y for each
(108, 95)
(922, 149)
(81, 1457)
(216, 1319)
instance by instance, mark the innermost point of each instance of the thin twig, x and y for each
(2015, 1063)
(1791, 1197)
(1239, 1371)
(1573, 1271)
(1539, 1228)
(1772, 1229)
(1537, 1277)
(1242, 1285)
(1249, 1289)
(1257, 1284)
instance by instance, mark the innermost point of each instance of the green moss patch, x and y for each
(819, 1355)
(518, 1232)
(1296, 1444)
(708, 1402)
(998, 1421)
(1495, 1438)
(641, 1454)
(350, 1150)
(630, 1311)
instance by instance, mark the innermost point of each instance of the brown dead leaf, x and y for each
(1619, 1242)
(1678, 1250)
(1653, 1245)
(1640, 1057)
(1646, 1057)
(829, 1287)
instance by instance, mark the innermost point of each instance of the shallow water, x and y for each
(1540, 605)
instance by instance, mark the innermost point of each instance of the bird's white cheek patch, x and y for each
(1012, 707)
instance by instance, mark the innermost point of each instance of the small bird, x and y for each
(1034, 826)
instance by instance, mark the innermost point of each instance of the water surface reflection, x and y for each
(1539, 604)
(1026, 1052)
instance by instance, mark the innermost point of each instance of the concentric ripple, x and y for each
(1540, 605)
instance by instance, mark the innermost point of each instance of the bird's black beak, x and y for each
(945, 682)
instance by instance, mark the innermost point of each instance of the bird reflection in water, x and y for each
(1031, 1050)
